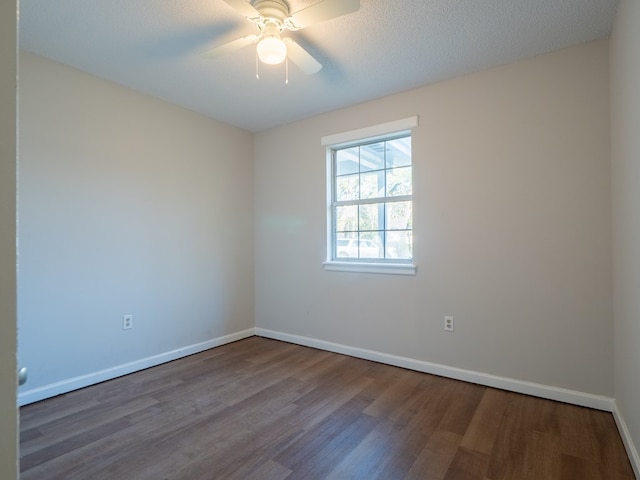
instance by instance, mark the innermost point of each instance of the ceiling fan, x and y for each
(272, 18)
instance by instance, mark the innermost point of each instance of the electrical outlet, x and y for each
(127, 322)
(448, 323)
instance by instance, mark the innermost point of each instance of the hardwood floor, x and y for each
(261, 409)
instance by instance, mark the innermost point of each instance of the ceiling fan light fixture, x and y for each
(272, 50)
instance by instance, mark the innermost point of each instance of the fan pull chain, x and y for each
(286, 70)
(257, 73)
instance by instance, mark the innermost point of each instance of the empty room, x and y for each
(346, 239)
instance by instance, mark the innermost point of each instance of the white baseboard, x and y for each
(544, 391)
(632, 452)
(70, 384)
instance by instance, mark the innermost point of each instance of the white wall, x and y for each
(512, 227)
(8, 411)
(127, 205)
(625, 123)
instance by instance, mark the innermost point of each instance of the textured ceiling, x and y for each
(155, 46)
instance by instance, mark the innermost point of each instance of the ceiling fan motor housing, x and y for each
(273, 12)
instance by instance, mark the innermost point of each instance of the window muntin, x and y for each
(372, 207)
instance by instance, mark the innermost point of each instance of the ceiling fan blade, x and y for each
(301, 57)
(320, 12)
(231, 46)
(244, 8)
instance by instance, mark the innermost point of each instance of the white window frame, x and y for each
(340, 140)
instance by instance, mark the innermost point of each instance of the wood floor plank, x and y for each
(269, 470)
(69, 444)
(468, 465)
(364, 461)
(578, 437)
(483, 429)
(436, 457)
(612, 455)
(89, 419)
(398, 391)
(316, 453)
(574, 467)
(55, 408)
(542, 458)
(462, 401)
(269, 410)
(506, 460)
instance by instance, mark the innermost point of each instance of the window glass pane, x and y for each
(372, 185)
(372, 157)
(347, 187)
(347, 218)
(370, 216)
(346, 245)
(399, 181)
(347, 161)
(399, 216)
(399, 245)
(370, 245)
(399, 152)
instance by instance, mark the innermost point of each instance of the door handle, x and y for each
(22, 376)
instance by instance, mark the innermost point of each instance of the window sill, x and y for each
(360, 267)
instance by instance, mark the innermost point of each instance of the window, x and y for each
(371, 204)
(370, 200)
